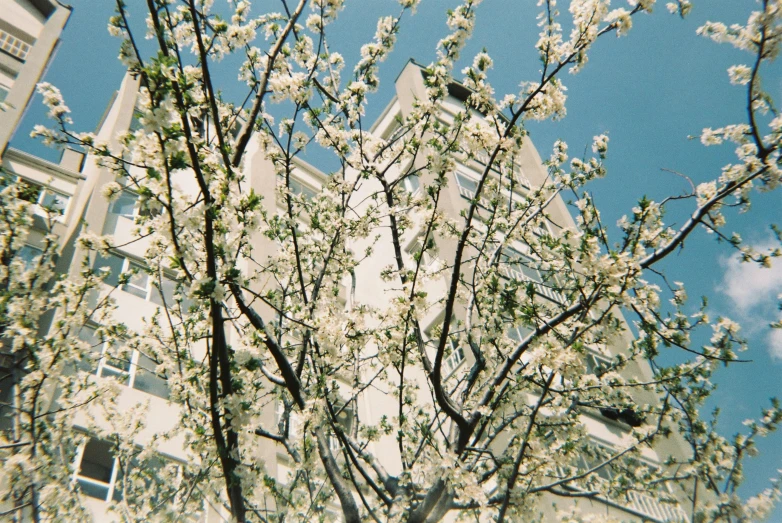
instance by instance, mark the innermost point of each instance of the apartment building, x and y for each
(29, 35)
(74, 188)
(608, 428)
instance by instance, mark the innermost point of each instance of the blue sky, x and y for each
(649, 91)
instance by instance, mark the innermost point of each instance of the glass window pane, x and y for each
(168, 287)
(412, 183)
(29, 192)
(93, 490)
(117, 361)
(147, 380)
(135, 124)
(87, 334)
(139, 279)
(155, 297)
(466, 182)
(54, 201)
(299, 188)
(6, 394)
(29, 254)
(124, 205)
(113, 264)
(518, 333)
(97, 461)
(138, 284)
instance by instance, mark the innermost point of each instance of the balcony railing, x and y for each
(650, 507)
(486, 204)
(644, 505)
(540, 288)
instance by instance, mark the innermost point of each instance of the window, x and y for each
(139, 282)
(53, 201)
(135, 123)
(592, 456)
(98, 470)
(428, 257)
(7, 389)
(298, 188)
(46, 198)
(29, 256)
(597, 365)
(112, 264)
(293, 420)
(467, 186)
(3, 93)
(518, 333)
(125, 205)
(412, 183)
(344, 413)
(483, 158)
(659, 506)
(129, 367)
(14, 46)
(517, 266)
(99, 473)
(129, 205)
(454, 360)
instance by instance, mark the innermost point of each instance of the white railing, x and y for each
(486, 204)
(541, 289)
(483, 158)
(467, 193)
(640, 504)
(650, 507)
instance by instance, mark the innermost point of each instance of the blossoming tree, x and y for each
(502, 436)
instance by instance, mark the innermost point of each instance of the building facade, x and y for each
(75, 185)
(29, 35)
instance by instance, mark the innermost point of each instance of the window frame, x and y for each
(30, 263)
(411, 186)
(14, 46)
(298, 187)
(294, 423)
(77, 478)
(455, 359)
(541, 289)
(130, 374)
(148, 291)
(43, 192)
(113, 492)
(128, 267)
(430, 257)
(137, 211)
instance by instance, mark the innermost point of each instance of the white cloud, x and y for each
(755, 292)
(749, 285)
